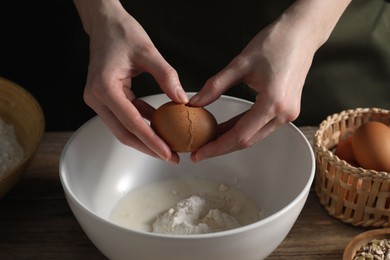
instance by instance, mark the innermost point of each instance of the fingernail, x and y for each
(194, 158)
(174, 160)
(182, 95)
(194, 99)
(164, 156)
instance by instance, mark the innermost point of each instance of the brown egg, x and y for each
(371, 146)
(344, 150)
(184, 128)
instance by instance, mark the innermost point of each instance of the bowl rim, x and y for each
(302, 194)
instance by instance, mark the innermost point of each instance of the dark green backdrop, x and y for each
(44, 49)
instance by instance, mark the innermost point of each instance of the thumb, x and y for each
(217, 85)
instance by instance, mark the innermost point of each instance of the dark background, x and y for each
(44, 49)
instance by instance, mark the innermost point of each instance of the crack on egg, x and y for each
(190, 131)
(182, 127)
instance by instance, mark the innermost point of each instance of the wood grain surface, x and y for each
(37, 223)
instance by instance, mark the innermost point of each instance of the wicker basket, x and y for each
(352, 194)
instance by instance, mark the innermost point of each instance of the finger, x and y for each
(147, 111)
(127, 138)
(249, 128)
(227, 125)
(220, 82)
(130, 118)
(121, 132)
(144, 108)
(166, 77)
(226, 143)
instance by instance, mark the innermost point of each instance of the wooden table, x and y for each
(37, 223)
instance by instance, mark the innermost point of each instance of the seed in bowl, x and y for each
(374, 249)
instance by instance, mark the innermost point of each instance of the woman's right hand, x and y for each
(120, 49)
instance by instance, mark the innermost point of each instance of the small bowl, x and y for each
(20, 109)
(361, 239)
(96, 171)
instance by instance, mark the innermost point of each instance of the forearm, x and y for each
(94, 12)
(313, 19)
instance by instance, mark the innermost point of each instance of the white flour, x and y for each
(11, 153)
(184, 206)
(195, 215)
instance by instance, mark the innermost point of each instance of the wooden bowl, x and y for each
(359, 240)
(20, 109)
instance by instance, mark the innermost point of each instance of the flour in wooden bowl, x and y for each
(11, 152)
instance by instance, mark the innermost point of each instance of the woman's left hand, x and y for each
(275, 64)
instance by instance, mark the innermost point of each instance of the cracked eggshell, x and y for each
(184, 128)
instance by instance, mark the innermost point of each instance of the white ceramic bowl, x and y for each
(96, 171)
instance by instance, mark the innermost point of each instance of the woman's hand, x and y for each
(274, 64)
(120, 49)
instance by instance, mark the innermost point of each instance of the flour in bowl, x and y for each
(194, 215)
(185, 206)
(11, 152)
